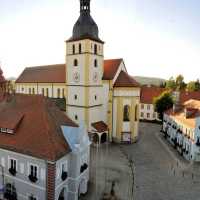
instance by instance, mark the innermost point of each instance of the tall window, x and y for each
(75, 62)
(33, 91)
(58, 93)
(95, 49)
(63, 93)
(29, 90)
(47, 92)
(73, 49)
(80, 49)
(43, 91)
(33, 171)
(126, 113)
(136, 112)
(95, 63)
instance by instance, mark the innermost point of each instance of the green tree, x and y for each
(171, 84)
(180, 84)
(191, 86)
(163, 103)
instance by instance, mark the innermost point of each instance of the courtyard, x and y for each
(157, 170)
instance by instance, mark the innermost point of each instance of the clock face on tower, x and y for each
(95, 77)
(76, 77)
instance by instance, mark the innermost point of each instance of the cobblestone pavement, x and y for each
(108, 165)
(160, 172)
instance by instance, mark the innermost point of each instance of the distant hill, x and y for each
(11, 79)
(149, 80)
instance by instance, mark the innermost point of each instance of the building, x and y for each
(44, 155)
(181, 127)
(98, 92)
(148, 93)
(147, 111)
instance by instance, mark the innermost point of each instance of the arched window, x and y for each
(58, 93)
(75, 62)
(95, 63)
(95, 49)
(80, 49)
(126, 113)
(73, 49)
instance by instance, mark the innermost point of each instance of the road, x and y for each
(160, 173)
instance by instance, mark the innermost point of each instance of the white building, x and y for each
(44, 155)
(181, 127)
(147, 111)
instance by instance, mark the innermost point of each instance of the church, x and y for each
(99, 93)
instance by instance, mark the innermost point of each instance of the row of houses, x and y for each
(181, 127)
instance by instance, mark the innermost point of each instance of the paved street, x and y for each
(160, 172)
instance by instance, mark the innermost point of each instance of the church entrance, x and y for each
(103, 138)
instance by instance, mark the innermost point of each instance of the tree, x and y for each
(163, 103)
(180, 84)
(171, 84)
(191, 86)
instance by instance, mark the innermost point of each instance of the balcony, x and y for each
(32, 178)
(13, 171)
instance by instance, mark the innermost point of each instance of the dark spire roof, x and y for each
(85, 27)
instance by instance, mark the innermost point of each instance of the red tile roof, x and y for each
(39, 133)
(43, 74)
(185, 96)
(149, 93)
(124, 80)
(110, 68)
(180, 115)
(56, 73)
(100, 126)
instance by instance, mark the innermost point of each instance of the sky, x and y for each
(156, 38)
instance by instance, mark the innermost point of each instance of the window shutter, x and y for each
(42, 174)
(21, 166)
(3, 162)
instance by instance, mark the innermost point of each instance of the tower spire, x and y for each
(85, 6)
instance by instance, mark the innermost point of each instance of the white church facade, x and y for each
(98, 92)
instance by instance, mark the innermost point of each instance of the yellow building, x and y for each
(98, 92)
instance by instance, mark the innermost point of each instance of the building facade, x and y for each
(44, 155)
(181, 128)
(98, 92)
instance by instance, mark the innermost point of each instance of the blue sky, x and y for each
(155, 37)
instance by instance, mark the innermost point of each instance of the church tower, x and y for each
(84, 69)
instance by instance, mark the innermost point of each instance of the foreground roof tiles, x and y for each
(39, 132)
(124, 80)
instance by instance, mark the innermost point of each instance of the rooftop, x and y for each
(38, 132)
